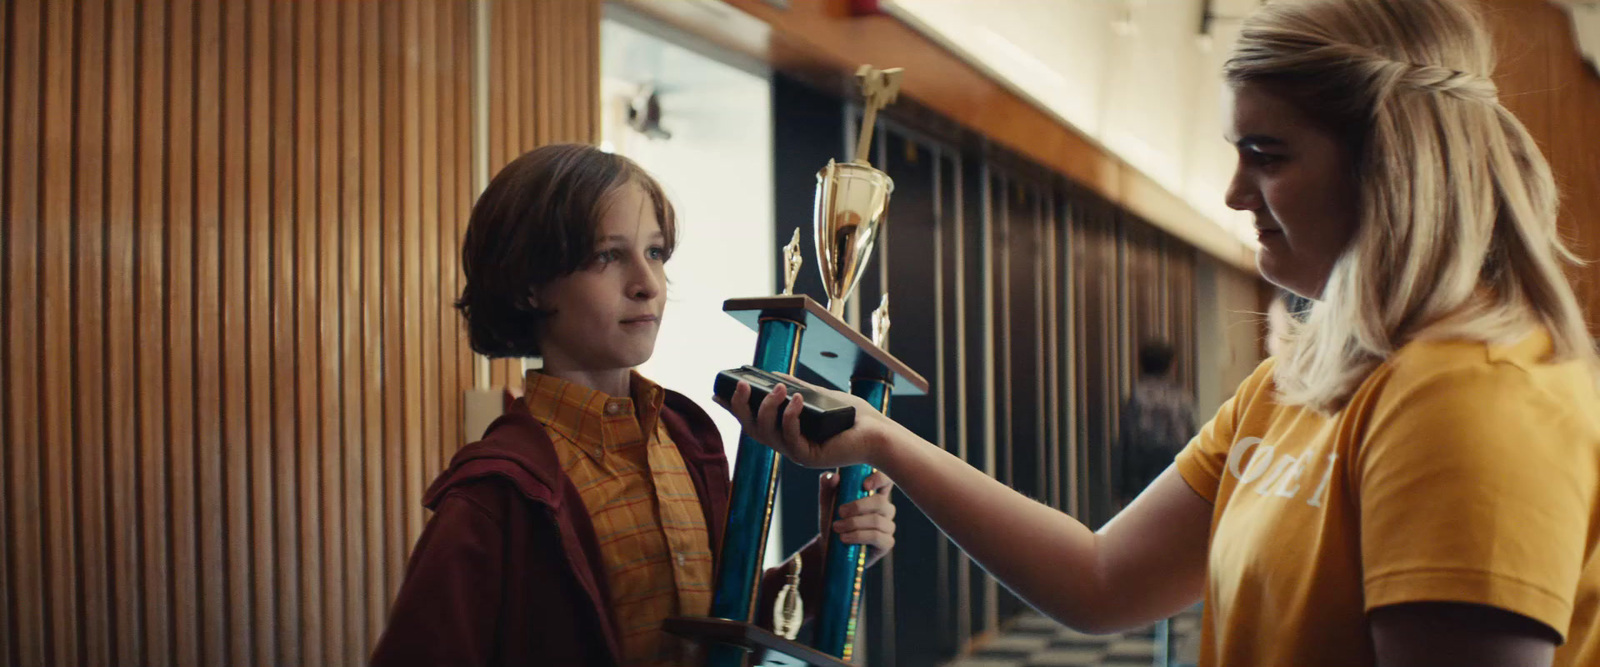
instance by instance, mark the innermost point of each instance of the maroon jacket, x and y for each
(508, 571)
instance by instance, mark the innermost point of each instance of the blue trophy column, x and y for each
(755, 481)
(845, 563)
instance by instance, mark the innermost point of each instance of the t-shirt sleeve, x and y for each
(1203, 460)
(1475, 486)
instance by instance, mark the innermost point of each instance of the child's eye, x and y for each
(659, 253)
(605, 257)
(1260, 159)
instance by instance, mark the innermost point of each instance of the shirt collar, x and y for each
(591, 419)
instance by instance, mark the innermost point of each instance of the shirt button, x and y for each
(613, 408)
(681, 559)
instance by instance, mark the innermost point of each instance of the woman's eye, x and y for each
(659, 253)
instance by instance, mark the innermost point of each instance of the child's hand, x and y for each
(868, 521)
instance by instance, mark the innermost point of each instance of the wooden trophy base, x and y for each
(765, 647)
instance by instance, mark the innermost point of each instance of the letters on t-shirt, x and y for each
(1270, 473)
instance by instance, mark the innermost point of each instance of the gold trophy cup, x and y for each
(852, 199)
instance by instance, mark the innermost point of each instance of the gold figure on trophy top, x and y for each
(791, 263)
(880, 324)
(879, 87)
(789, 612)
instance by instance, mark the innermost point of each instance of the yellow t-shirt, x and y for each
(1459, 472)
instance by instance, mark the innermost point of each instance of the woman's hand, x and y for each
(857, 444)
(868, 521)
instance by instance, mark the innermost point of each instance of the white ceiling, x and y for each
(1137, 76)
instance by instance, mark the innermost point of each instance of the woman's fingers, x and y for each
(767, 416)
(739, 404)
(791, 424)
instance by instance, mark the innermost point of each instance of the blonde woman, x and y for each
(1414, 481)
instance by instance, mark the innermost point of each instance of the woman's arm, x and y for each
(1145, 565)
(1437, 634)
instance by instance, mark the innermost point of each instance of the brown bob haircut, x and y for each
(533, 224)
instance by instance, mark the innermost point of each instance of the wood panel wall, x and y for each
(230, 364)
(555, 100)
(1545, 82)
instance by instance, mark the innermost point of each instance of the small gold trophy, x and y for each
(880, 323)
(788, 613)
(791, 263)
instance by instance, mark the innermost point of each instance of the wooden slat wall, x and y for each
(555, 100)
(230, 362)
(1545, 82)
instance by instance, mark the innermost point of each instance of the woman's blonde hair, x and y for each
(1457, 231)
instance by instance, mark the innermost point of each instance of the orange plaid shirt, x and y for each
(646, 512)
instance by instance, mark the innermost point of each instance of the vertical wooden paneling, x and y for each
(180, 341)
(505, 82)
(410, 254)
(236, 496)
(466, 126)
(120, 282)
(231, 362)
(510, 84)
(426, 256)
(151, 351)
(308, 403)
(330, 460)
(463, 23)
(7, 631)
(497, 93)
(286, 369)
(443, 229)
(1544, 81)
(88, 302)
(258, 342)
(24, 544)
(375, 446)
(208, 334)
(544, 55)
(353, 447)
(394, 432)
(55, 332)
(258, 338)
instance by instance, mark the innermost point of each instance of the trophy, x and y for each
(852, 200)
